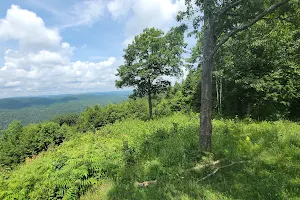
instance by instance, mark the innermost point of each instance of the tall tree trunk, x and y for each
(149, 100)
(221, 93)
(217, 90)
(206, 81)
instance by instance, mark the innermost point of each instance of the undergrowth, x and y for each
(109, 163)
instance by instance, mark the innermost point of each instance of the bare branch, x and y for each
(227, 8)
(217, 169)
(210, 174)
(246, 26)
(145, 183)
(246, 17)
(200, 167)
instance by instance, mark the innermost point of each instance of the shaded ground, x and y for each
(272, 172)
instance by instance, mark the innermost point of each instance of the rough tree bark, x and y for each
(206, 81)
(149, 100)
(209, 49)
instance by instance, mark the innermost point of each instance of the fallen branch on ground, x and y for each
(218, 168)
(198, 167)
(145, 183)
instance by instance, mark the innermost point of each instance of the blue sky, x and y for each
(71, 46)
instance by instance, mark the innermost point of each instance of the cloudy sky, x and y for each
(71, 46)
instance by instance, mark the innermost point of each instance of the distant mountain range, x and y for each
(37, 109)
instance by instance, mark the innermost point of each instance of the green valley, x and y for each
(37, 109)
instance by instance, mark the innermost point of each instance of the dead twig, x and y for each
(218, 168)
(145, 183)
(198, 167)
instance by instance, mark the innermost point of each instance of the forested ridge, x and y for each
(243, 83)
(37, 109)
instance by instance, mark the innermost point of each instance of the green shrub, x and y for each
(96, 117)
(18, 142)
(68, 119)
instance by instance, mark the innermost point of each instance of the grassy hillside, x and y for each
(37, 109)
(250, 161)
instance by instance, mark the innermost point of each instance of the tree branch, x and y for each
(197, 168)
(246, 26)
(246, 17)
(145, 183)
(217, 169)
(227, 8)
(200, 167)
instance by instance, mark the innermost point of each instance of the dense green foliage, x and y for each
(220, 21)
(95, 117)
(70, 119)
(165, 150)
(256, 73)
(18, 142)
(151, 56)
(165, 104)
(37, 109)
(260, 72)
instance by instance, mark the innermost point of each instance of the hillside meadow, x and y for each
(239, 74)
(250, 160)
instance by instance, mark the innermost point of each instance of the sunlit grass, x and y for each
(107, 165)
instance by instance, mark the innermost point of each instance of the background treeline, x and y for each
(257, 73)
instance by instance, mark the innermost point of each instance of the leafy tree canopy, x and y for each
(152, 56)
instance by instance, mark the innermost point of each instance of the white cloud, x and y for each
(13, 84)
(86, 12)
(145, 13)
(29, 29)
(50, 71)
(46, 68)
(119, 8)
(42, 63)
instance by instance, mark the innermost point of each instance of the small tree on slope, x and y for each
(152, 56)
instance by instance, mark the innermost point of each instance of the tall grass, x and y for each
(106, 165)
